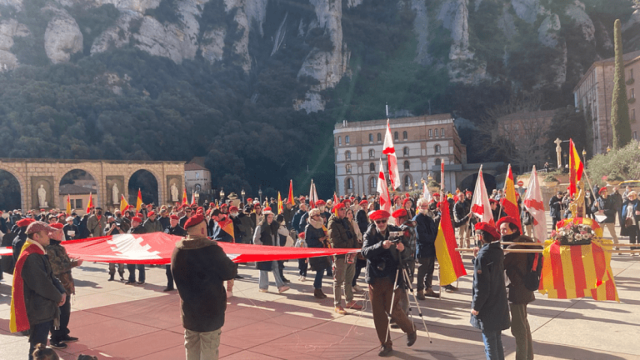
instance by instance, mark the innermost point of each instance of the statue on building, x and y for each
(115, 194)
(174, 193)
(42, 196)
(558, 152)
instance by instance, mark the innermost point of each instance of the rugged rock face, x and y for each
(189, 33)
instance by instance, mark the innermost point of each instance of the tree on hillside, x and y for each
(619, 107)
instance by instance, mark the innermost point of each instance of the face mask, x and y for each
(424, 211)
(99, 212)
(234, 214)
(321, 208)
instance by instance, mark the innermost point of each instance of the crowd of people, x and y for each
(351, 222)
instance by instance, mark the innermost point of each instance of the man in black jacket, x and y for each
(177, 230)
(605, 205)
(555, 209)
(136, 229)
(426, 231)
(297, 225)
(199, 267)
(382, 263)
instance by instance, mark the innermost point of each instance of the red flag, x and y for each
(313, 195)
(510, 202)
(139, 201)
(193, 198)
(291, 200)
(385, 200)
(480, 204)
(392, 160)
(184, 196)
(90, 203)
(451, 267)
(335, 199)
(575, 168)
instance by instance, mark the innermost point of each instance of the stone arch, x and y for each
(21, 185)
(96, 194)
(92, 169)
(159, 183)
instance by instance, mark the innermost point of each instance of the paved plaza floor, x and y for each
(115, 321)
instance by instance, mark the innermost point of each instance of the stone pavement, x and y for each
(114, 321)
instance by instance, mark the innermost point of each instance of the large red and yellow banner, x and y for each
(575, 168)
(510, 202)
(451, 267)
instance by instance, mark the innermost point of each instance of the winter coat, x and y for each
(199, 267)
(633, 206)
(381, 262)
(68, 230)
(288, 216)
(515, 265)
(460, 213)
(363, 220)
(426, 231)
(488, 294)
(165, 221)
(96, 226)
(341, 234)
(177, 231)
(61, 265)
(246, 227)
(42, 291)
(312, 238)
(609, 210)
(304, 220)
(265, 235)
(151, 226)
(555, 207)
(295, 222)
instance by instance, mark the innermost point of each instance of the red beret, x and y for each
(407, 195)
(399, 213)
(233, 209)
(57, 225)
(320, 202)
(436, 194)
(24, 222)
(456, 198)
(193, 221)
(301, 235)
(379, 214)
(493, 201)
(604, 188)
(41, 210)
(267, 211)
(174, 217)
(347, 201)
(488, 228)
(151, 213)
(363, 203)
(395, 197)
(62, 215)
(200, 210)
(149, 205)
(468, 192)
(507, 219)
(136, 219)
(338, 206)
(405, 201)
(302, 198)
(249, 200)
(223, 205)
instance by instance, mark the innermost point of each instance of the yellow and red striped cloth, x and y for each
(451, 267)
(510, 202)
(575, 271)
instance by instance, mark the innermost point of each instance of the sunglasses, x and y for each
(381, 221)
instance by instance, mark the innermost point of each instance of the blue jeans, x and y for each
(317, 282)
(38, 334)
(132, 272)
(263, 278)
(493, 345)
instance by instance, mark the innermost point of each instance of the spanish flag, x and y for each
(227, 226)
(90, 203)
(184, 197)
(139, 201)
(18, 318)
(123, 204)
(575, 271)
(68, 205)
(451, 267)
(291, 200)
(280, 209)
(575, 168)
(509, 202)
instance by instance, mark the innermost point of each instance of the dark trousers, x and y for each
(360, 264)
(556, 219)
(380, 293)
(65, 313)
(132, 272)
(38, 335)
(317, 281)
(281, 269)
(303, 266)
(169, 277)
(425, 272)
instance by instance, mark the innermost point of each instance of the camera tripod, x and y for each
(406, 279)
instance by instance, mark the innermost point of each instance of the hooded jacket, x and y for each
(488, 294)
(199, 267)
(341, 235)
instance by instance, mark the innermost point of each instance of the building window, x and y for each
(430, 133)
(405, 136)
(442, 132)
(79, 204)
(438, 161)
(632, 93)
(635, 135)
(370, 138)
(372, 182)
(347, 155)
(435, 132)
(348, 167)
(630, 74)
(406, 165)
(407, 181)
(437, 149)
(395, 135)
(346, 140)
(372, 167)
(339, 141)
(372, 154)
(379, 137)
(405, 151)
(633, 115)
(349, 184)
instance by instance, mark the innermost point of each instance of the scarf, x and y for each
(316, 224)
(19, 321)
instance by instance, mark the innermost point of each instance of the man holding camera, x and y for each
(113, 228)
(383, 261)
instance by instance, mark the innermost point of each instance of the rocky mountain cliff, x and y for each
(473, 41)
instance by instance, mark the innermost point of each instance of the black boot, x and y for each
(111, 277)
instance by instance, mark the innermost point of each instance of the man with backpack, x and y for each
(523, 272)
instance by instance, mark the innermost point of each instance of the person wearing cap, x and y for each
(199, 267)
(383, 260)
(256, 216)
(303, 266)
(288, 213)
(246, 226)
(37, 294)
(267, 234)
(316, 237)
(136, 228)
(461, 212)
(297, 218)
(426, 233)
(152, 224)
(362, 220)
(96, 223)
(489, 307)
(20, 229)
(407, 204)
(176, 230)
(515, 266)
(113, 228)
(605, 205)
(630, 217)
(61, 266)
(495, 209)
(342, 236)
(70, 231)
